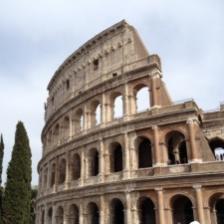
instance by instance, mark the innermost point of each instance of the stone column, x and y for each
(56, 174)
(157, 151)
(102, 160)
(54, 214)
(154, 91)
(86, 118)
(192, 135)
(199, 199)
(67, 171)
(103, 216)
(127, 155)
(126, 101)
(104, 118)
(128, 218)
(161, 206)
(48, 175)
(83, 167)
(70, 127)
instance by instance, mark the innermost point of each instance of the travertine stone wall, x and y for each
(157, 163)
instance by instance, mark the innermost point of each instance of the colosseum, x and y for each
(118, 150)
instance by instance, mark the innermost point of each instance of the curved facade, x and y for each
(112, 157)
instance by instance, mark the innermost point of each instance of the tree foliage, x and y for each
(17, 196)
(1, 161)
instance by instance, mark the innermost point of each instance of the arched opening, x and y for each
(177, 148)
(142, 98)
(66, 126)
(76, 167)
(62, 171)
(144, 152)
(53, 172)
(117, 212)
(116, 157)
(217, 146)
(93, 213)
(42, 216)
(147, 211)
(93, 162)
(117, 106)
(95, 113)
(74, 214)
(59, 215)
(79, 121)
(182, 210)
(216, 204)
(45, 177)
(56, 134)
(49, 215)
(49, 139)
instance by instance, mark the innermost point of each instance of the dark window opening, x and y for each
(117, 212)
(177, 149)
(114, 74)
(74, 214)
(76, 167)
(62, 172)
(95, 64)
(94, 163)
(52, 100)
(145, 154)
(67, 84)
(217, 147)
(219, 207)
(94, 216)
(117, 158)
(182, 210)
(147, 212)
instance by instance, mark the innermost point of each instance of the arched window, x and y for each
(142, 98)
(219, 207)
(93, 211)
(59, 215)
(217, 146)
(79, 121)
(56, 134)
(177, 149)
(95, 113)
(76, 167)
(49, 139)
(53, 172)
(117, 106)
(116, 157)
(182, 210)
(66, 127)
(147, 211)
(144, 152)
(62, 171)
(117, 212)
(45, 177)
(49, 215)
(93, 162)
(74, 214)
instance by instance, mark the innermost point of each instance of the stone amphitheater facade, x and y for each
(157, 166)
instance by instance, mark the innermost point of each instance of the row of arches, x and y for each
(176, 147)
(183, 212)
(83, 118)
(176, 154)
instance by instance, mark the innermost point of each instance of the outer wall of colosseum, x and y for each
(109, 165)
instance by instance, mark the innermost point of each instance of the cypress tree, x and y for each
(17, 196)
(1, 161)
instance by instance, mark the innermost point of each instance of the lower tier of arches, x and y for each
(156, 206)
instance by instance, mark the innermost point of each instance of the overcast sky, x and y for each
(36, 37)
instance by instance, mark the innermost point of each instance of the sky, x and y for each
(37, 36)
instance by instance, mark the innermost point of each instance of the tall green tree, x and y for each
(1, 161)
(17, 195)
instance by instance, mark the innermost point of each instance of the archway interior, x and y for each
(49, 215)
(76, 169)
(147, 211)
(182, 210)
(217, 147)
(177, 149)
(117, 158)
(60, 216)
(62, 171)
(219, 207)
(74, 214)
(94, 216)
(144, 153)
(53, 172)
(117, 212)
(94, 163)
